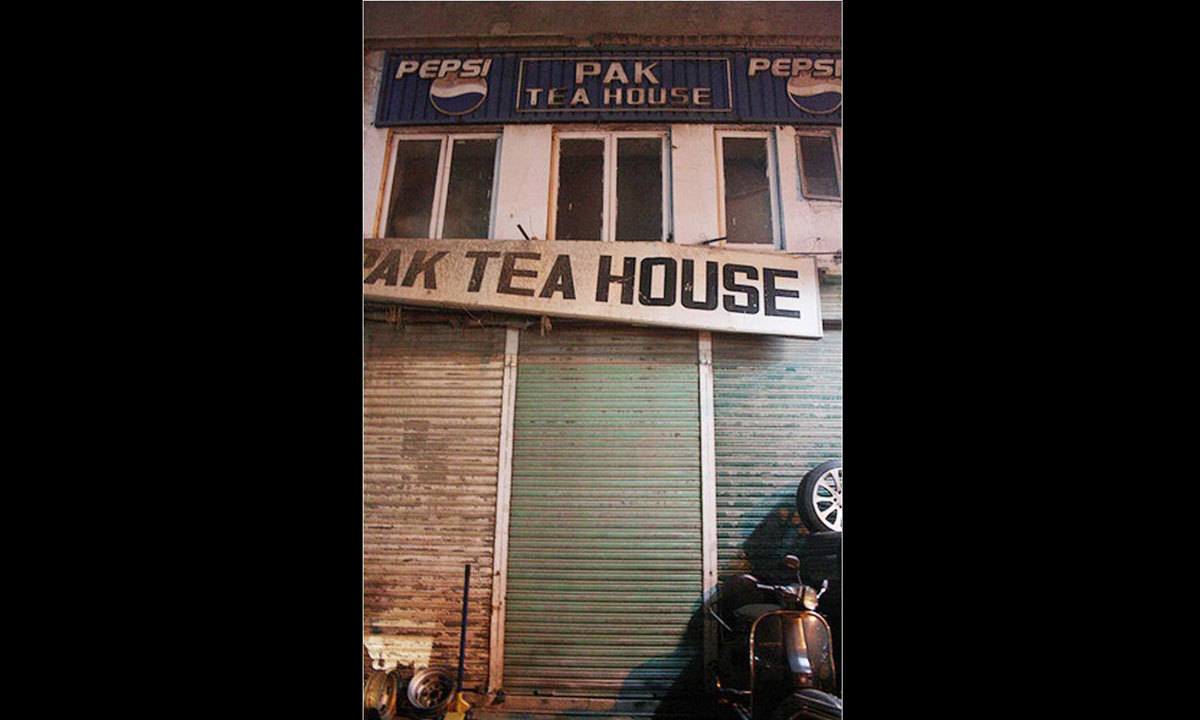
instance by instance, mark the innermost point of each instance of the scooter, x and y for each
(775, 655)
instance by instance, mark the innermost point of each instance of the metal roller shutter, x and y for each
(431, 430)
(778, 408)
(604, 564)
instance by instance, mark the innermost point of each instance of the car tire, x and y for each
(819, 498)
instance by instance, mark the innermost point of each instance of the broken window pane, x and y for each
(639, 189)
(747, 191)
(818, 167)
(580, 189)
(411, 203)
(469, 198)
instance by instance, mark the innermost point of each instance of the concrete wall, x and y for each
(813, 25)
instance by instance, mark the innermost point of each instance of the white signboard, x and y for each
(649, 283)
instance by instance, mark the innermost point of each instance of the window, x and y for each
(820, 171)
(748, 208)
(611, 186)
(442, 186)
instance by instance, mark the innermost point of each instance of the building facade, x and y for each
(599, 476)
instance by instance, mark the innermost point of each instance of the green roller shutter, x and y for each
(604, 551)
(778, 414)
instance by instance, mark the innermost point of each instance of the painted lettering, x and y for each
(643, 73)
(770, 292)
(471, 68)
(508, 270)
(420, 266)
(586, 69)
(481, 258)
(406, 66)
(731, 284)
(604, 278)
(645, 290)
(615, 71)
(560, 279)
(688, 293)
(371, 257)
(387, 271)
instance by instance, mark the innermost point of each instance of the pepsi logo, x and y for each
(454, 95)
(819, 96)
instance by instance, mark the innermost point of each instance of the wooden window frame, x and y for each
(769, 137)
(437, 216)
(835, 145)
(608, 216)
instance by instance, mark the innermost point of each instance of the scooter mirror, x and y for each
(792, 562)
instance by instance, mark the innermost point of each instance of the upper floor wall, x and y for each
(700, 180)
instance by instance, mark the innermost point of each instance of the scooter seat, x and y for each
(749, 613)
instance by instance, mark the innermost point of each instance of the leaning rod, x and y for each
(462, 636)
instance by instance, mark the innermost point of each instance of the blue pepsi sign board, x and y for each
(682, 86)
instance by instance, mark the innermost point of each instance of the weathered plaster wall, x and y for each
(523, 189)
(808, 225)
(813, 25)
(374, 140)
(694, 178)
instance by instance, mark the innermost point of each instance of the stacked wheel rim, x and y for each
(380, 693)
(819, 498)
(431, 689)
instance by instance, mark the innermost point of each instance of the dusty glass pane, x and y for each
(639, 189)
(469, 199)
(817, 164)
(580, 189)
(411, 205)
(747, 191)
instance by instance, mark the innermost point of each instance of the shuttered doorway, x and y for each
(431, 430)
(604, 551)
(778, 413)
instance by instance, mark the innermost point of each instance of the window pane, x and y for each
(469, 199)
(639, 189)
(747, 191)
(580, 189)
(412, 188)
(817, 164)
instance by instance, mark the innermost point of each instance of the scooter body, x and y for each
(775, 658)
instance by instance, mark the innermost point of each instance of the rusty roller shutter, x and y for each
(778, 414)
(604, 563)
(431, 429)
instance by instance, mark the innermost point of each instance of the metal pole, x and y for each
(462, 638)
